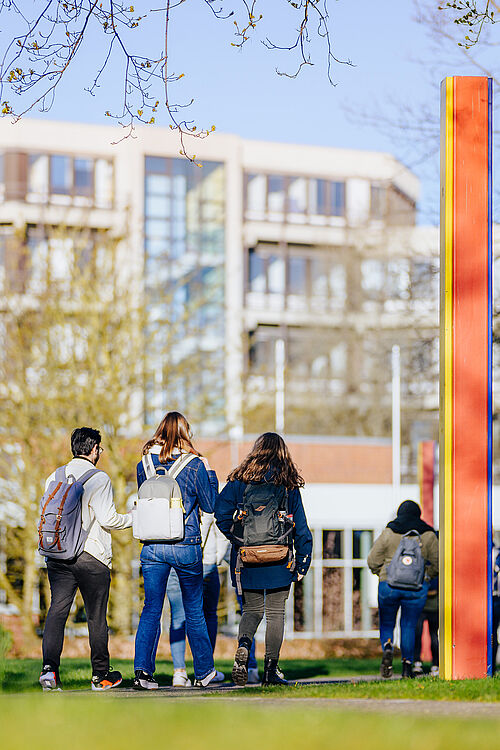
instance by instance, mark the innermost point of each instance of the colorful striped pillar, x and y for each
(465, 378)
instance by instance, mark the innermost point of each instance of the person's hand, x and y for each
(299, 576)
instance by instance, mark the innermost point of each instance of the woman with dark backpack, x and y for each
(386, 560)
(198, 485)
(260, 511)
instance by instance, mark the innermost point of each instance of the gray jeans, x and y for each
(272, 602)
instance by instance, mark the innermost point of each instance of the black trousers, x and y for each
(496, 624)
(92, 577)
(272, 602)
(433, 620)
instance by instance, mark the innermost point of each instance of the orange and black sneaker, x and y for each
(49, 679)
(106, 681)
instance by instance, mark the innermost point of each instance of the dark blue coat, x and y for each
(277, 575)
(199, 490)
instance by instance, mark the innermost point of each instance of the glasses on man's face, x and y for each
(100, 450)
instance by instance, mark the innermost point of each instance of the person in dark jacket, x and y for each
(391, 598)
(199, 486)
(430, 613)
(265, 587)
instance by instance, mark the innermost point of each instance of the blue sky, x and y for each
(395, 68)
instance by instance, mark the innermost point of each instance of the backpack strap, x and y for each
(237, 573)
(180, 464)
(149, 467)
(88, 474)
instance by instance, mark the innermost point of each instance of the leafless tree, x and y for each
(47, 39)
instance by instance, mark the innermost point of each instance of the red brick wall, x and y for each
(321, 462)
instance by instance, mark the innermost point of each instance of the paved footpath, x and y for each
(416, 707)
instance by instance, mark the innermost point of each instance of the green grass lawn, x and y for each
(21, 675)
(99, 721)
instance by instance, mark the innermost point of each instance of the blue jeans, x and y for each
(252, 661)
(177, 621)
(411, 603)
(157, 561)
(211, 590)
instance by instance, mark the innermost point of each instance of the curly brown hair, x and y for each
(270, 461)
(172, 432)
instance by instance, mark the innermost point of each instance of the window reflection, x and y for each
(295, 199)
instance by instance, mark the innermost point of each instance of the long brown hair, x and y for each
(269, 460)
(172, 432)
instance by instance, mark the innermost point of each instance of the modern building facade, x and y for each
(314, 247)
(266, 247)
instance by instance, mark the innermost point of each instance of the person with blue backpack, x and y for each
(77, 512)
(170, 455)
(405, 558)
(260, 511)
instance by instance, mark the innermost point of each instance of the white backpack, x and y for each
(158, 513)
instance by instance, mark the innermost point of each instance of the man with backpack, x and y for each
(405, 558)
(77, 514)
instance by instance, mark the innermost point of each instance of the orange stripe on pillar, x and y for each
(471, 377)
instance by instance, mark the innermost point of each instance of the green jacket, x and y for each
(386, 545)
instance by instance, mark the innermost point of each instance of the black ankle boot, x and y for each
(239, 675)
(406, 671)
(271, 676)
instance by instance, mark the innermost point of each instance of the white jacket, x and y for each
(99, 514)
(214, 542)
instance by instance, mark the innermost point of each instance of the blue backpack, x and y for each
(60, 532)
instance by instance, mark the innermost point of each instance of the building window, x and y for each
(256, 272)
(84, 177)
(297, 276)
(337, 198)
(66, 179)
(295, 199)
(276, 274)
(184, 247)
(378, 201)
(257, 195)
(60, 175)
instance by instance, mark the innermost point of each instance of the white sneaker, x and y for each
(219, 677)
(206, 680)
(418, 670)
(180, 679)
(253, 676)
(434, 670)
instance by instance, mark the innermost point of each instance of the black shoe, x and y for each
(144, 681)
(272, 673)
(239, 675)
(386, 664)
(106, 681)
(49, 678)
(406, 672)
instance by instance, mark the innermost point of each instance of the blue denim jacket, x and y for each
(199, 491)
(274, 575)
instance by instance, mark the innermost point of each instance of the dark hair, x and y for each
(409, 508)
(269, 461)
(83, 440)
(172, 432)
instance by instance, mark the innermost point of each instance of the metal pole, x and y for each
(396, 425)
(279, 379)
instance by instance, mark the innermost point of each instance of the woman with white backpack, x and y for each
(170, 455)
